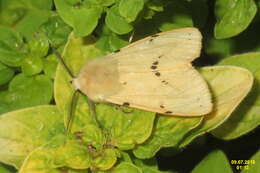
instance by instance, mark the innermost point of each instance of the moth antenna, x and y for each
(131, 37)
(63, 63)
(60, 58)
(72, 111)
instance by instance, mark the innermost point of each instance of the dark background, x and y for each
(242, 148)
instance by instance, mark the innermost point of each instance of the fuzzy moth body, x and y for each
(153, 74)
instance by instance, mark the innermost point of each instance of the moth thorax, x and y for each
(98, 79)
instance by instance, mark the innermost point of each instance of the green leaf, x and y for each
(12, 50)
(249, 61)
(106, 3)
(31, 22)
(117, 23)
(104, 160)
(39, 45)
(216, 162)
(149, 166)
(103, 43)
(56, 30)
(101, 158)
(109, 41)
(32, 65)
(24, 130)
(82, 19)
(123, 128)
(92, 135)
(50, 65)
(58, 153)
(125, 157)
(176, 15)
(246, 116)
(27, 91)
(226, 96)
(233, 17)
(129, 9)
(222, 6)
(148, 14)
(18, 14)
(126, 167)
(79, 3)
(10, 14)
(44, 5)
(253, 164)
(155, 5)
(168, 131)
(115, 42)
(6, 74)
(151, 163)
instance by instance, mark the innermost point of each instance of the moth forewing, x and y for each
(153, 74)
(170, 43)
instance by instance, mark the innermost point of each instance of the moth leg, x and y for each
(92, 111)
(72, 111)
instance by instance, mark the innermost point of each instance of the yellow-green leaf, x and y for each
(246, 117)
(24, 130)
(229, 86)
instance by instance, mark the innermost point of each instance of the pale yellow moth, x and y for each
(153, 74)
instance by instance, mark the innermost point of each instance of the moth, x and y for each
(153, 74)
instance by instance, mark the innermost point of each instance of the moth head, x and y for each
(75, 83)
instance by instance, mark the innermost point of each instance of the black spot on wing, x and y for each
(161, 106)
(157, 74)
(151, 39)
(153, 67)
(168, 112)
(155, 63)
(164, 82)
(160, 56)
